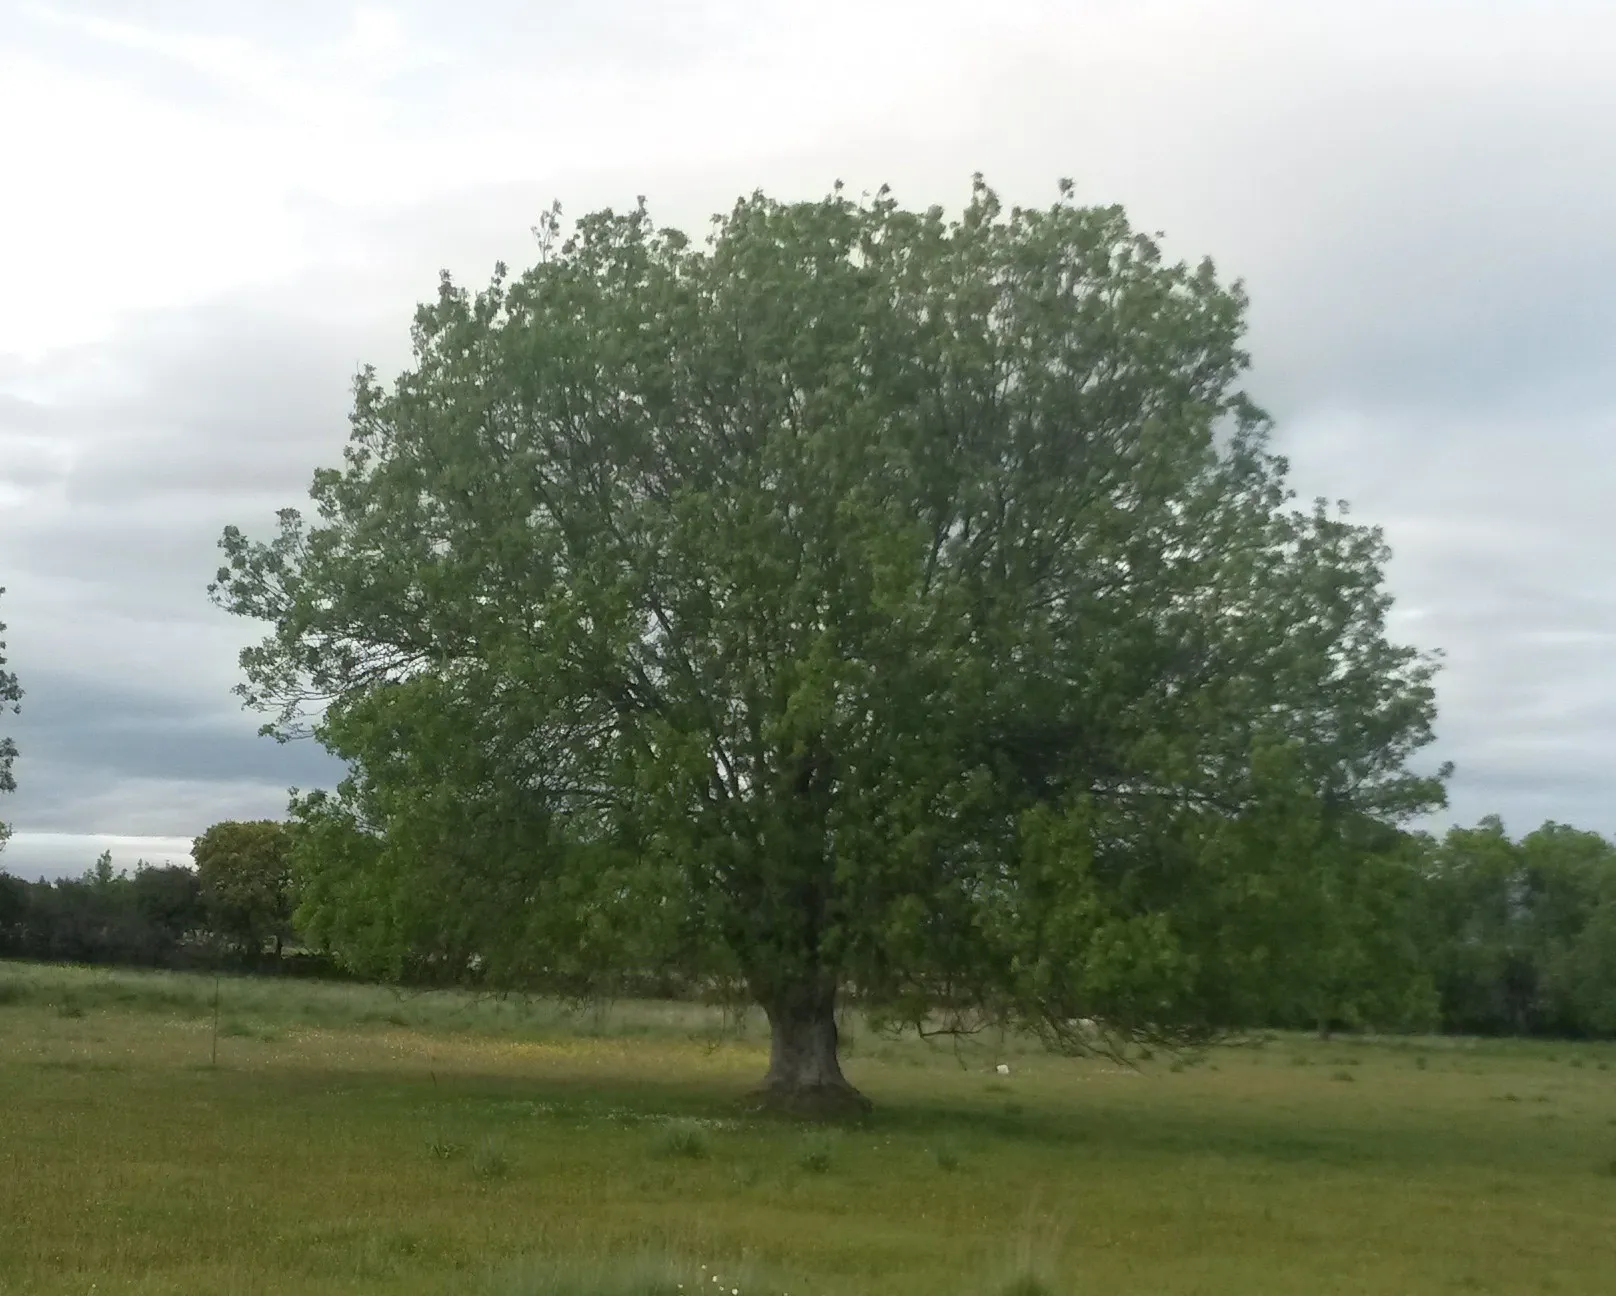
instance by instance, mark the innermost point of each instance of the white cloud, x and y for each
(223, 212)
(53, 855)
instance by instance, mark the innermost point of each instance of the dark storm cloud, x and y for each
(85, 739)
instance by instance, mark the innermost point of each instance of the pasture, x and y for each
(353, 1140)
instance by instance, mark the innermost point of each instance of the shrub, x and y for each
(442, 1149)
(683, 1138)
(490, 1161)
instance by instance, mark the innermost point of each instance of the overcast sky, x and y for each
(214, 212)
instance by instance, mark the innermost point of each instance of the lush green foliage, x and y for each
(245, 873)
(1523, 933)
(334, 1147)
(1473, 933)
(863, 600)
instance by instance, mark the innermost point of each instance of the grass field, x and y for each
(352, 1140)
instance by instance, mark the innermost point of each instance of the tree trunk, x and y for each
(805, 1074)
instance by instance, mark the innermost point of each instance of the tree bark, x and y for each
(805, 1073)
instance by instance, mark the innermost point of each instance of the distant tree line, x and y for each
(1469, 933)
(1522, 934)
(1475, 933)
(234, 909)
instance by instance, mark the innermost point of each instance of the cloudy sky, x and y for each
(214, 212)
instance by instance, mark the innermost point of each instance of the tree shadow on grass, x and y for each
(1370, 1142)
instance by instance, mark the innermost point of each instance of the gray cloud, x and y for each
(88, 731)
(1422, 222)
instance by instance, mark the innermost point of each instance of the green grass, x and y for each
(683, 1138)
(354, 1140)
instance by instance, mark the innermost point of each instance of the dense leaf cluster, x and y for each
(862, 602)
(1470, 933)
(1521, 935)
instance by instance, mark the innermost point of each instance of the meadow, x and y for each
(353, 1139)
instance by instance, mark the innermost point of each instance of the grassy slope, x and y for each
(353, 1141)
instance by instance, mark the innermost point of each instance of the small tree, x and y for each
(14, 896)
(244, 870)
(102, 876)
(1487, 969)
(10, 696)
(1568, 879)
(169, 901)
(863, 602)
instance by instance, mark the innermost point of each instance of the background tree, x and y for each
(1565, 875)
(154, 917)
(1365, 962)
(169, 903)
(1524, 930)
(13, 914)
(10, 696)
(863, 601)
(244, 872)
(1486, 970)
(1586, 976)
(101, 876)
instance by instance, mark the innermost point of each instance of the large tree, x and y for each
(10, 697)
(861, 602)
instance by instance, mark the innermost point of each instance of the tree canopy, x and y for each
(1522, 934)
(859, 602)
(244, 871)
